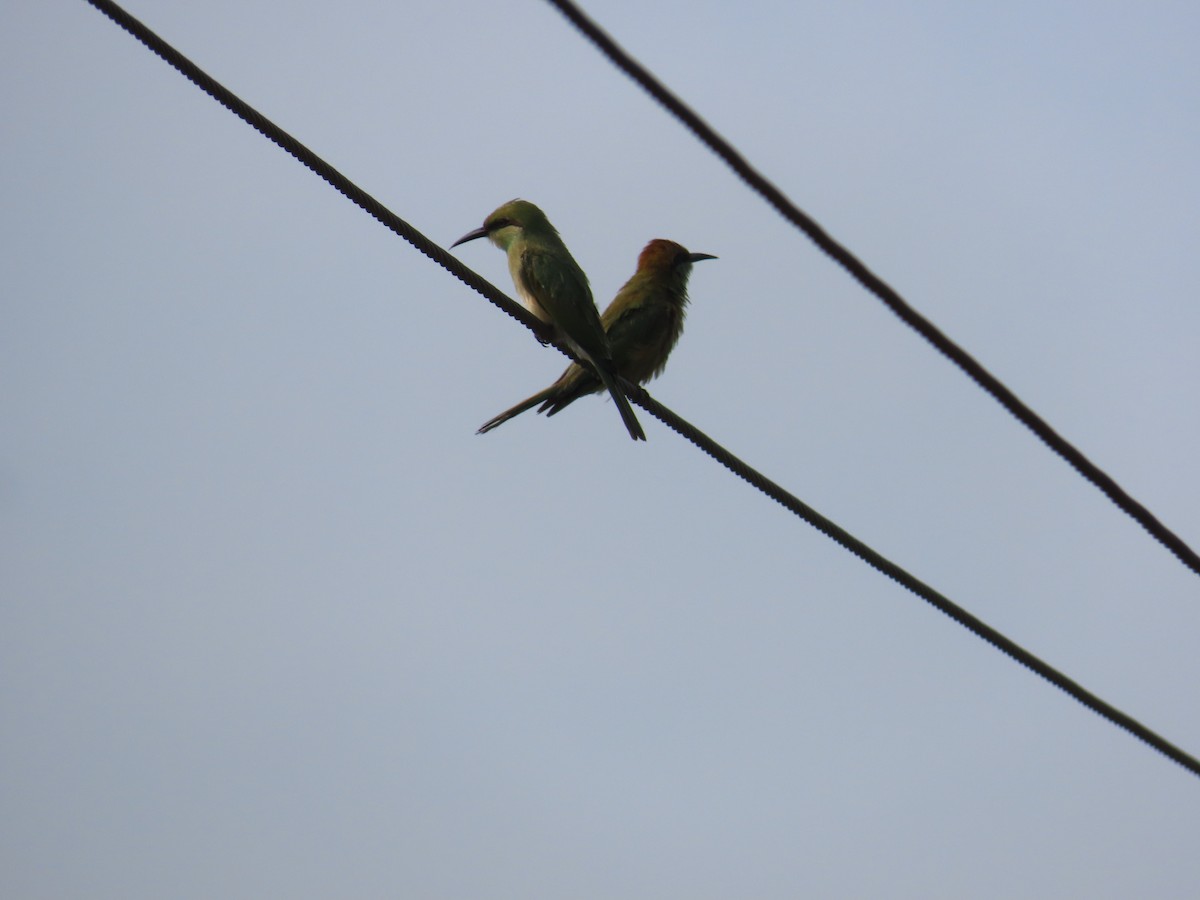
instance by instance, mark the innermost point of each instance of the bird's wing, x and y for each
(641, 338)
(560, 286)
(637, 324)
(561, 289)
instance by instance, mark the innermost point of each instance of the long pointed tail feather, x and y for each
(604, 370)
(497, 421)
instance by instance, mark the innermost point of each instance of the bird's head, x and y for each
(513, 220)
(665, 257)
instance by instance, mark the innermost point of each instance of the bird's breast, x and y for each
(531, 304)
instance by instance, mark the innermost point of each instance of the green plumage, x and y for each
(554, 288)
(642, 324)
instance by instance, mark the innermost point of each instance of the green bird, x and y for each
(554, 289)
(643, 322)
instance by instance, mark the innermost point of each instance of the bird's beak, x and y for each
(471, 236)
(692, 257)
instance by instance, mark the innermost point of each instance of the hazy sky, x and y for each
(277, 623)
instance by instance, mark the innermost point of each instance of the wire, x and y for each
(327, 172)
(877, 286)
(976, 626)
(638, 395)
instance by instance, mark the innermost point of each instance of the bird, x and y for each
(555, 289)
(643, 323)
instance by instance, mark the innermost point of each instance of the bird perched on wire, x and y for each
(643, 322)
(554, 288)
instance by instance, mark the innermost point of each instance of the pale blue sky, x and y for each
(276, 622)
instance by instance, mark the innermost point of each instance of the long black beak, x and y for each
(692, 257)
(471, 236)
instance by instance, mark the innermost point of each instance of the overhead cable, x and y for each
(636, 393)
(877, 286)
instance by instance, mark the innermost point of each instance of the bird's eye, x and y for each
(502, 223)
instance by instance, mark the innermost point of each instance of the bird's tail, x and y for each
(604, 368)
(496, 421)
(571, 389)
